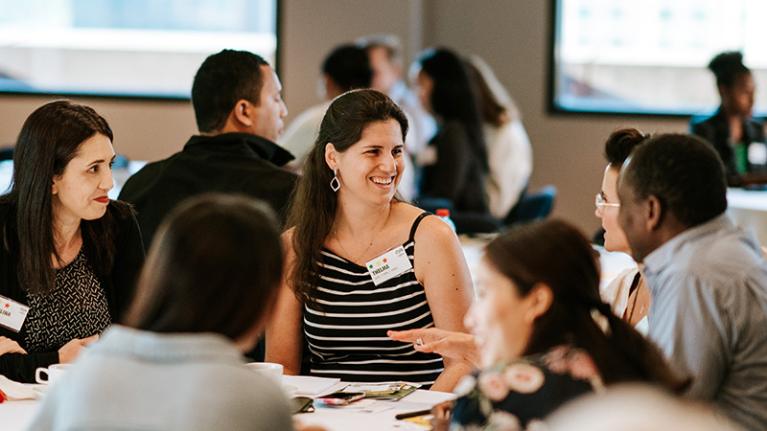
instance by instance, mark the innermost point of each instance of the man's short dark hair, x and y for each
(349, 67)
(683, 172)
(620, 144)
(222, 80)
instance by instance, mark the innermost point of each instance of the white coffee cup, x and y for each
(267, 369)
(52, 374)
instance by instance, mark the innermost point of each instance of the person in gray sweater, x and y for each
(177, 363)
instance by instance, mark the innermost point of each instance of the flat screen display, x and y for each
(650, 56)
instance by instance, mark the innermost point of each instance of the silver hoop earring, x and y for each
(335, 185)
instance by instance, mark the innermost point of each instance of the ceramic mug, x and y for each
(52, 374)
(267, 369)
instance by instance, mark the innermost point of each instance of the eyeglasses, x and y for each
(599, 202)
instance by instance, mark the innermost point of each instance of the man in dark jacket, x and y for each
(239, 113)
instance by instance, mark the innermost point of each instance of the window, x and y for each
(650, 57)
(133, 48)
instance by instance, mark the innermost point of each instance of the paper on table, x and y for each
(311, 386)
(15, 390)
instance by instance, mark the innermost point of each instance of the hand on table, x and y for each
(9, 346)
(441, 416)
(448, 344)
(70, 351)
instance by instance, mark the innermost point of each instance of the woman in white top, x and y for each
(627, 294)
(509, 153)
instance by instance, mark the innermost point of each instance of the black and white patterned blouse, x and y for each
(347, 335)
(76, 308)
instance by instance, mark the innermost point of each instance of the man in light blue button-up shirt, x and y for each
(707, 278)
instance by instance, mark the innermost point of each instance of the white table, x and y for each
(17, 415)
(748, 209)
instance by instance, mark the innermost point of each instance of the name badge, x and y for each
(757, 153)
(12, 314)
(391, 264)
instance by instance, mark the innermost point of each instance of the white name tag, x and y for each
(391, 264)
(12, 314)
(757, 153)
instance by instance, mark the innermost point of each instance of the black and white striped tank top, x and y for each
(346, 329)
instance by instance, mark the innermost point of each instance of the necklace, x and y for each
(376, 233)
(352, 258)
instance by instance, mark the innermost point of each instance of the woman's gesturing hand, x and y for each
(448, 344)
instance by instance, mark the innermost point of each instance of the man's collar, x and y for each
(663, 256)
(262, 147)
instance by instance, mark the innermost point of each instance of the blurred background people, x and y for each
(69, 256)
(628, 293)
(509, 153)
(455, 173)
(385, 53)
(735, 134)
(362, 262)
(345, 68)
(177, 363)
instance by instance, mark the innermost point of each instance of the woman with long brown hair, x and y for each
(360, 261)
(69, 255)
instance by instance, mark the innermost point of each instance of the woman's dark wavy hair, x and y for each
(453, 97)
(621, 143)
(556, 254)
(49, 139)
(224, 281)
(313, 205)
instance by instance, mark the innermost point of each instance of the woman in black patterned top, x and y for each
(68, 255)
(361, 261)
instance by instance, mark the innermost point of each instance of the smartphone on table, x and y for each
(338, 399)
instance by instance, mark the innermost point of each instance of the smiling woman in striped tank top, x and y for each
(361, 262)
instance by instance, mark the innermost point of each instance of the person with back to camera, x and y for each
(735, 134)
(508, 148)
(239, 111)
(69, 255)
(460, 163)
(360, 261)
(628, 293)
(345, 68)
(177, 363)
(543, 334)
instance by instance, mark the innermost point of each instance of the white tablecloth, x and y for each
(377, 415)
(748, 209)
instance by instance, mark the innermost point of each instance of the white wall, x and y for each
(510, 34)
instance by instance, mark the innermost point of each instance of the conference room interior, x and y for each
(517, 39)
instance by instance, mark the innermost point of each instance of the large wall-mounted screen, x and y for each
(128, 48)
(650, 56)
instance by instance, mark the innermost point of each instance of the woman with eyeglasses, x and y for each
(627, 294)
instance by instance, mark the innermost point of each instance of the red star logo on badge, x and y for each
(384, 260)
(7, 305)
